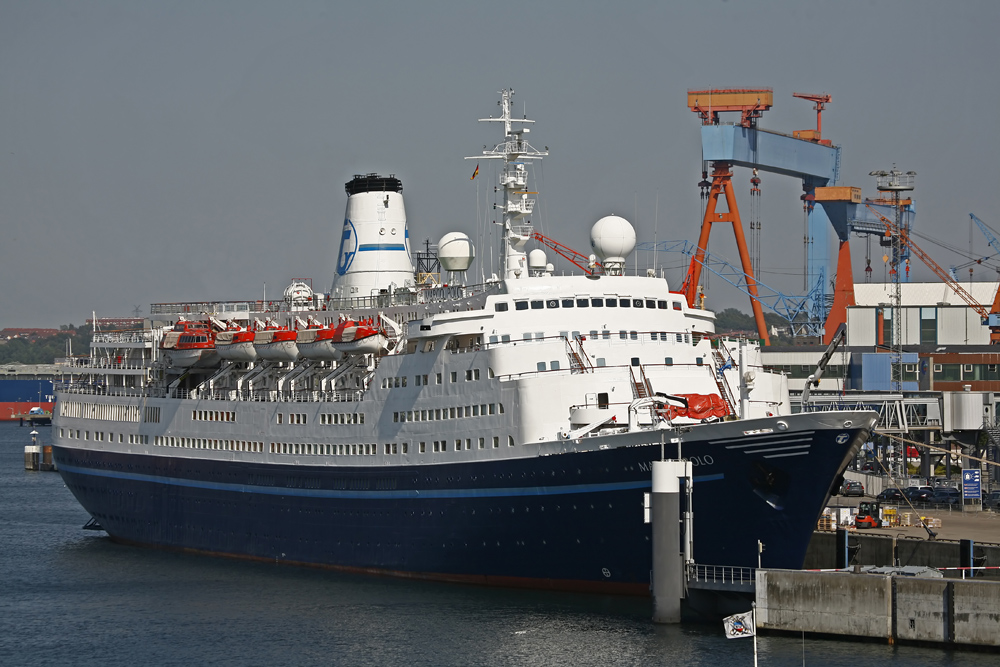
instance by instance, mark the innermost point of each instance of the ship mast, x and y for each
(516, 207)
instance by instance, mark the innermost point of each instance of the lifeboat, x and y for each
(316, 342)
(366, 336)
(190, 344)
(275, 343)
(236, 344)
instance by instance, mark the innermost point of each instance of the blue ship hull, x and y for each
(567, 521)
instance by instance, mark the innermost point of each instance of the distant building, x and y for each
(29, 334)
(116, 323)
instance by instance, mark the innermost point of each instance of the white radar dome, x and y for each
(455, 252)
(612, 238)
(537, 260)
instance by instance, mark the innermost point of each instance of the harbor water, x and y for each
(70, 596)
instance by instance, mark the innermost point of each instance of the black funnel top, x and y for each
(373, 183)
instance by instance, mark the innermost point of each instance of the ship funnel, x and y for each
(374, 250)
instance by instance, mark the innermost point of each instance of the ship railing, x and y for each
(104, 364)
(145, 336)
(88, 388)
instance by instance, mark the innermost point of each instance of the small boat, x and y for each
(366, 336)
(236, 344)
(276, 343)
(316, 343)
(189, 344)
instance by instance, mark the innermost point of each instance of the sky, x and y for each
(178, 151)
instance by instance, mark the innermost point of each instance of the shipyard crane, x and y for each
(994, 318)
(988, 318)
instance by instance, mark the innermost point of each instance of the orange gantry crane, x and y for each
(993, 322)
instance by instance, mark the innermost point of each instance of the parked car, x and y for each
(919, 494)
(852, 488)
(890, 495)
(946, 496)
(991, 501)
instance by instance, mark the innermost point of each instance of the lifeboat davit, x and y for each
(236, 345)
(190, 344)
(276, 344)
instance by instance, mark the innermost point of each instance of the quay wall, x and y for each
(879, 550)
(893, 608)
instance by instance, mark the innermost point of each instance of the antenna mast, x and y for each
(516, 207)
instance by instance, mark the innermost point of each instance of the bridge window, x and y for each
(521, 305)
(537, 305)
(500, 307)
(552, 303)
(611, 303)
(625, 303)
(650, 303)
(597, 303)
(567, 303)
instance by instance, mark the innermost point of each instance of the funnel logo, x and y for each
(348, 248)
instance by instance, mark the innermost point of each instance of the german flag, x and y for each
(475, 173)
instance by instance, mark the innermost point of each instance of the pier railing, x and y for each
(721, 577)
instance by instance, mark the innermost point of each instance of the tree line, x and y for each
(46, 350)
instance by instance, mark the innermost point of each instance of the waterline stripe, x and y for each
(376, 495)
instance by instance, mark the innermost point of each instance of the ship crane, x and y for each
(987, 318)
(588, 264)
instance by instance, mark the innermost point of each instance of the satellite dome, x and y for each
(455, 252)
(537, 260)
(613, 239)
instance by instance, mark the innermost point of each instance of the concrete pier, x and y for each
(890, 607)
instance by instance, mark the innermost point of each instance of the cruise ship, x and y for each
(499, 432)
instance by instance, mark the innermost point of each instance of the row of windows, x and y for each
(342, 418)
(212, 416)
(310, 449)
(208, 443)
(603, 335)
(389, 448)
(293, 418)
(101, 436)
(442, 445)
(597, 302)
(117, 413)
(602, 362)
(471, 375)
(438, 414)
(956, 372)
(151, 414)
